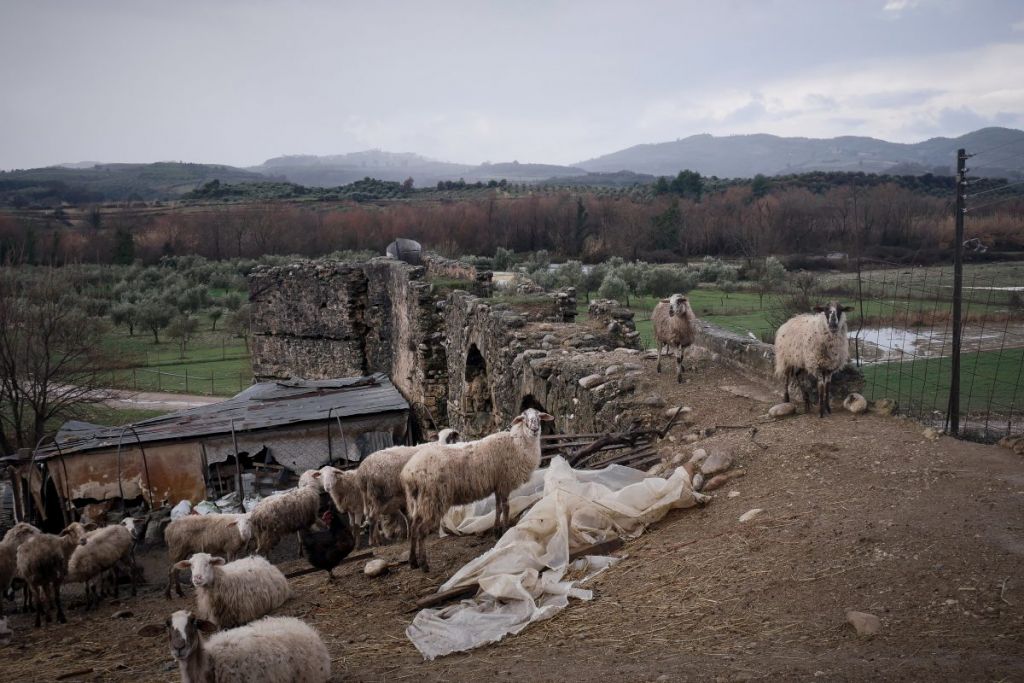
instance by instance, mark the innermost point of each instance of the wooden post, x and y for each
(953, 413)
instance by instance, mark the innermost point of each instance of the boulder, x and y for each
(375, 568)
(716, 463)
(591, 381)
(867, 625)
(698, 457)
(855, 403)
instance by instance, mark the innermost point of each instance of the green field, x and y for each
(214, 363)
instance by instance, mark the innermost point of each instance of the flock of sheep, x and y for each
(403, 486)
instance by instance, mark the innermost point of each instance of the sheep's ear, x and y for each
(847, 309)
(206, 626)
(217, 560)
(517, 420)
(316, 475)
(150, 630)
(546, 418)
(184, 564)
(233, 523)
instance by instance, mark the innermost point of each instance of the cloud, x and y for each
(900, 5)
(1017, 25)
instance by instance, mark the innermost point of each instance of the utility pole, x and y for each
(953, 414)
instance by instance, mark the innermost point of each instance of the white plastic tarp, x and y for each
(522, 576)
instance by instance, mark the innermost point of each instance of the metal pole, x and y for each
(238, 465)
(330, 445)
(145, 465)
(953, 414)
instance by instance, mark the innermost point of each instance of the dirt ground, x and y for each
(860, 512)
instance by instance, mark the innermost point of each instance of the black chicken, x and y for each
(327, 547)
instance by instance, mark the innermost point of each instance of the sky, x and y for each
(241, 81)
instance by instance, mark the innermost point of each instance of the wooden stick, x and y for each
(471, 589)
(74, 674)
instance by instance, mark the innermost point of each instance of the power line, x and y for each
(994, 201)
(995, 189)
(1000, 146)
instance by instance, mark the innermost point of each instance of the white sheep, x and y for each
(106, 548)
(225, 535)
(43, 564)
(286, 512)
(380, 475)
(814, 343)
(674, 326)
(234, 593)
(346, 487)
(12, 540)
(271, 650)
(439, 476)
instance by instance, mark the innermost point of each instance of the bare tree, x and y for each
(52, 363)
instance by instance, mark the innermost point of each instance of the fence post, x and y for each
(953, 415)
(158, 387)
(212, 392)
(186, 380)
(135, 382)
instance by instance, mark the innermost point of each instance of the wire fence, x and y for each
(186, 381)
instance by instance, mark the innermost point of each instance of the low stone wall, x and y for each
(481, 280)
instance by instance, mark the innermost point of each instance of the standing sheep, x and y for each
(43, 564)
(674, 325)
(226, 535)
(286, 512)
(380, 474)
(814, 343)
(271, 650)
(13, 539)
(237, 592)
(345, 487)
(439, 476)
(106, 547)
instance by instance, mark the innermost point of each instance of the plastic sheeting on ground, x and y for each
(522, 576)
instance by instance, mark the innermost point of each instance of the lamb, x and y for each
(380, 474)
(13, 539)
(43, 564)
(106, 548)
(674, 325)
(271, 650)
(439, 476)
(225, 535)
(817, 345)
(286, 512)
(237, 592)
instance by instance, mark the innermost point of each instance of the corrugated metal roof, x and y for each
(263, 405)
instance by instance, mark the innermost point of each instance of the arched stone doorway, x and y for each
(477, 402)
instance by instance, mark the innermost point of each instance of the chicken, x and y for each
(328, 543)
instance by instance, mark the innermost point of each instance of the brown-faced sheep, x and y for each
(674, 326)
(816, 344)
(271, 650)
(286, 512)
(43, 564)
(346, 488)
(234, 593)
(224, 535)
(439, 476)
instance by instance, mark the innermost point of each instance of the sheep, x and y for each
(439, 476)
(43, 564)
(816, 344)
(12, 540)
(234, 593)
(674, 325)
(106, 548)
(225, 535)
(380, 476)
(346, 489)
(286, 512)
(271, 650)
(5, 632)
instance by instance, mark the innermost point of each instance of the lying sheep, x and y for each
(43, 564)
(271, 650)
(674, 325)
(13, 539)
(235, 593)
(380, 474)
(286, 512)
(106, 548)
(815, 344)
(439, 476)
(225, 535)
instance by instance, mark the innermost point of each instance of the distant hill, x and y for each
(342, 169)
(743, 156)
(112, 182)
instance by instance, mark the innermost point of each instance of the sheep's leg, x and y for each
(661, 347)
(357, 531)
(37, 594)
(821, 397)
(414, 530)
(786, 377)
(828, 395)
(60, 608)
(679, 366)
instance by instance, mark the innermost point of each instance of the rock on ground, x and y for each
(717, 462)
(781, 410)
(750, 514)
(867, 625)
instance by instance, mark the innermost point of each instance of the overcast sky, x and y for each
(556, 82)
